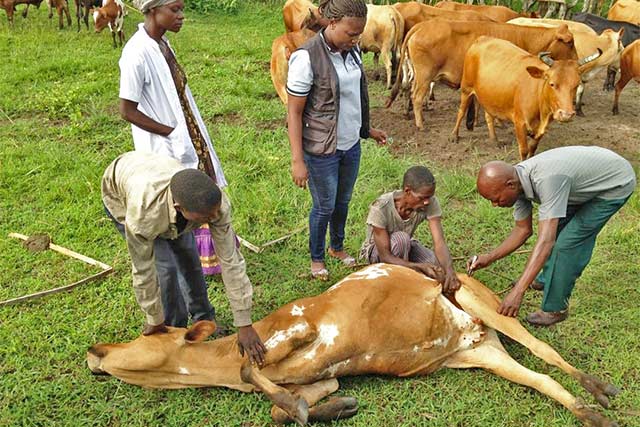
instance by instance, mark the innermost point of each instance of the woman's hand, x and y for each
(299, 173)
(379, 135)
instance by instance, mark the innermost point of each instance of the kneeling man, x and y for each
(395, 216)
(578, 189)
(156, 203)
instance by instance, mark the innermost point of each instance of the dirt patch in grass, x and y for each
(229, 118)
(619, 133)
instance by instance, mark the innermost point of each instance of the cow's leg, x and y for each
(297, 335)
(610, 80)
(113, 36)
(432, 96)
(335, 409)
(385, 53)
(491, 356)
(520, 129)
(26, 10)
(295, 407)
(60, 10)
(625, 76)
(465, 99)
(86, 16)
(479, 301)
(579, 93)
(533, 145)
(422, 80)
(491, 127)
(66, 11)
(376, 65)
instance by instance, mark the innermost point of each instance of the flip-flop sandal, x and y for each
(348, 260)
(321, 274)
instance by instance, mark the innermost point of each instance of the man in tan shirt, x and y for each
(157, 203)
(393, 219)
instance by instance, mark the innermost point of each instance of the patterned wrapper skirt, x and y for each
(207, 251)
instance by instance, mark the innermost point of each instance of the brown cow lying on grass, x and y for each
(384, 319)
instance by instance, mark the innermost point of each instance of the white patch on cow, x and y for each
(297, 311)
(326, 336)
(372, 272)
(471, 332)
(280, 336)
(95, 16)
(337, 285)
(333, 369)
(183, 371)
(416, 349)
(367, 357)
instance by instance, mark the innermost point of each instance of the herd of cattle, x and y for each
(518, 67)
(106, 13)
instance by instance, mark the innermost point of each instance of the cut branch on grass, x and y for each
(106, 270)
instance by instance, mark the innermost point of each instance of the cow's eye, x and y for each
(552, 84)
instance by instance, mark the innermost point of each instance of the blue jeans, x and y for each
(182, 286)
(331, 182)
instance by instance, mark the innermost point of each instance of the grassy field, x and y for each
(59, 129)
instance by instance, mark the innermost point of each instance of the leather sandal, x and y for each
(547, 318)
(320, 273)
(347, 259)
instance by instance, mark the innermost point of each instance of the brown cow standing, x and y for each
(383, 35)
(295, 12)
(512, 84)
(625, 10)
(10, 6)
(414, 13)
(436, 51)
(385, 319)
(629, 69)
(281, 49)
(497, 13)
(111, 15)
(61, 7)
(587, 41)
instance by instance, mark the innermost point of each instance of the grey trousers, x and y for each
(182, 285)
(403, 246)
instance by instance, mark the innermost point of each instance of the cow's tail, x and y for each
(395, 90)
(397, 42)
(471, 112)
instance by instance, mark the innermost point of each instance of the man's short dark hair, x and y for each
(417, 177)
(195, 191)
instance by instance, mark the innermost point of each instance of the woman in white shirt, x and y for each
(156, 100)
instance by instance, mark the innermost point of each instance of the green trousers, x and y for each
(575, 240)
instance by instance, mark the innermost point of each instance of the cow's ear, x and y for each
(200, 331)
(535, 72)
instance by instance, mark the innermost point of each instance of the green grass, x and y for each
(59, 129)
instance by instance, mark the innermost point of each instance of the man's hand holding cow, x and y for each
(249, 341)
(430, 270)
(451, 282)
(154, 329)
(511, 303)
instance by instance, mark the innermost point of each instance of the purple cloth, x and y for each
(207, 251)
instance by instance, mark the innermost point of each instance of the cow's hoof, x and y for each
(615, 111)
(453, 139)
(579, 113)
(335, 408)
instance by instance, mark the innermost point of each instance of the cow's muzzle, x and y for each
(563, 115)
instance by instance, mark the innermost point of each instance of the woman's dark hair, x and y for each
(195, 191)
(338, 9)
(417, 177)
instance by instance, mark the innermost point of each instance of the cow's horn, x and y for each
(590, 58)
(544, 57)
